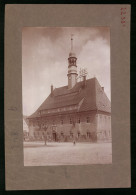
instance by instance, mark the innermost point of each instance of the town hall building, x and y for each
(80, 111)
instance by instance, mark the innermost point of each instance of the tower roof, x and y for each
(72, 53)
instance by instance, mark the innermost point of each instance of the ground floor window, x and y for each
(88, 119)
(88, 134)
(71, 134)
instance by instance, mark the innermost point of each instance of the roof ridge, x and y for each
(66, 93)
(74, 85)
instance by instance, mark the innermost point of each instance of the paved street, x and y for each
(37, 154)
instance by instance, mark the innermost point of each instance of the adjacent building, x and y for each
(25, 129)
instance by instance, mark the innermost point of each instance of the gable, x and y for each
(102, 101)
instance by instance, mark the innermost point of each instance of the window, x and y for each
(88, 134)
(71, 134)
(88, 119)
(62, 121)
(70, 121)
(35, 123)
(105, 133)
(79, 120)
(78, 134)
(38, 123)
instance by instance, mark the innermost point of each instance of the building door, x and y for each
(54, 136)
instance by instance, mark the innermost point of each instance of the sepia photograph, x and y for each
(66, 96)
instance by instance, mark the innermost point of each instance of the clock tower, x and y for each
(72, 67)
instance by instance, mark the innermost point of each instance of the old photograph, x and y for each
(66, 96)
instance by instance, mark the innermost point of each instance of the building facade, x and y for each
(80, 111)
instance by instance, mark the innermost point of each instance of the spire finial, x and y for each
(72, 42)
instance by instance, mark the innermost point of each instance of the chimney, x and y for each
(51, 89)
(103, 88)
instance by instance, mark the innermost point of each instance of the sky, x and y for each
(45, 52)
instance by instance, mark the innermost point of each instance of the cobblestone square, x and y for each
(54, 153)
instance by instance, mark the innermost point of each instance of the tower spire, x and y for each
(72, 67)
(72, 42)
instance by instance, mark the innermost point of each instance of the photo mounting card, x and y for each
(67, 100)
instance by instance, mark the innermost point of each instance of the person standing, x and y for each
(74, 142)
(45, 134)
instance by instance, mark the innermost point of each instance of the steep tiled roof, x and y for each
(102, 101)
(91, 97)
